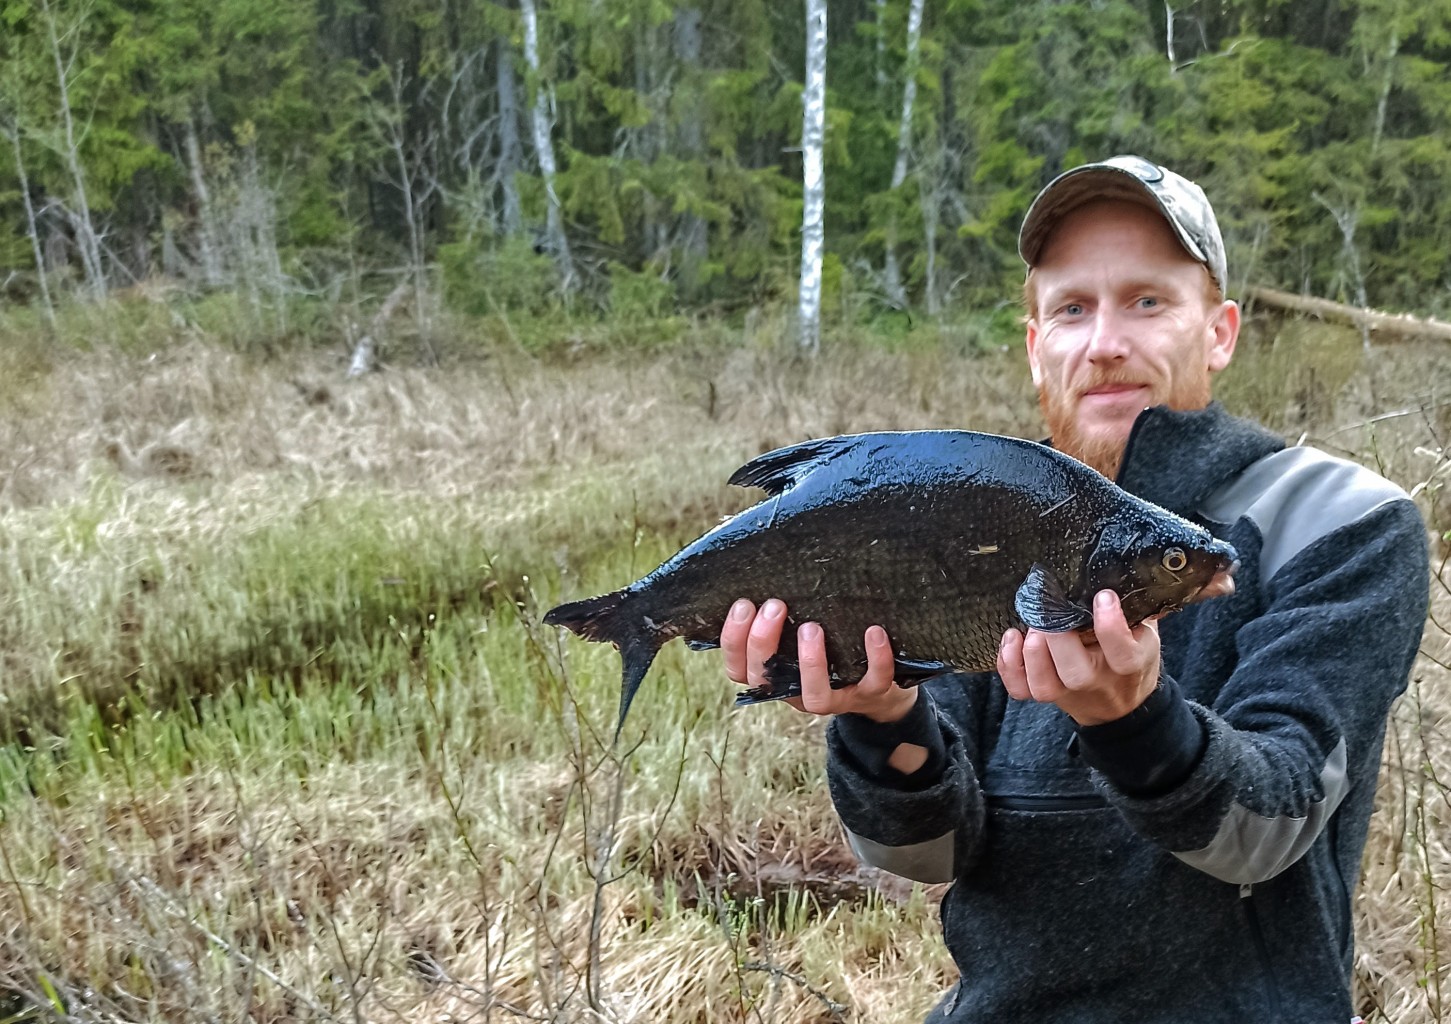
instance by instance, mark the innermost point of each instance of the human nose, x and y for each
(1107, 342)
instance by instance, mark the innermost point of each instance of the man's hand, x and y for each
(1092, 683)
(750, 637)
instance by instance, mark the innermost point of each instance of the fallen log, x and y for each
(1387, 326)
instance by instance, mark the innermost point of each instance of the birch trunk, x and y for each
(31, 231)
(544, 148)
(212, 274)
(930, 182)
(87, 241)
(896, 294)
(691, 228)
(509, 148)
(1385, 93)
(813, 135)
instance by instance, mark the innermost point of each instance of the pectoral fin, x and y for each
(1043, 604)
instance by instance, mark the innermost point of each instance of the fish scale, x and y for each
(944, 538)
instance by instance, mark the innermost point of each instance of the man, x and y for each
(1162, 823)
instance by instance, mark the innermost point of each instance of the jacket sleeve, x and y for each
(926, 826)
(1301, 720)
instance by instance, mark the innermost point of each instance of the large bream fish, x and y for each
(944, 538)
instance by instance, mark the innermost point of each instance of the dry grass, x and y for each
(291, 744)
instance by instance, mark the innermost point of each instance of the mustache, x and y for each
(1107, 380)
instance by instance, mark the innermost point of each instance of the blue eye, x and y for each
(1148, 302)
(1074, 309)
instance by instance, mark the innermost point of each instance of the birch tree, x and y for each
(507, 169)
(813, 196)
(896, 294)
(541, 121)
(691, 227)
(10, 129)
(63, 51)
(208, 250)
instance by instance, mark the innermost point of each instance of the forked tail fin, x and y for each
(604, 620)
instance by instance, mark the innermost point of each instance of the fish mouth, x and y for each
(1221, 584)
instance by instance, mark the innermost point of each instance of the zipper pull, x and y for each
(1245, 890)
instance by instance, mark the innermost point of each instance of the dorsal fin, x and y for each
(778, 470)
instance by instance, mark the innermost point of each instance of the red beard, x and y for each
(1105, 453)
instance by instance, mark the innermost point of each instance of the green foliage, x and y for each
(639, 297)
(482, 281)
(1321, 131)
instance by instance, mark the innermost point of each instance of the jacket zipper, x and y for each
(1047, 802)
(1252, 919)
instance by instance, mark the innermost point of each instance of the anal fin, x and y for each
(783, 678)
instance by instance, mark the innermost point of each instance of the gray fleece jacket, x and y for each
(1196, 860)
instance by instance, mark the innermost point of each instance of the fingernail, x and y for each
(1105, 599)
(876, 636)
(741, 610)
(773, 609)
(809, 631)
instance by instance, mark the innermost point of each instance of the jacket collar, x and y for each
(1178, 459)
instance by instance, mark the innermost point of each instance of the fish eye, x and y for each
(1174, 559)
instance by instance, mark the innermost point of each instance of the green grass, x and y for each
(283, 737)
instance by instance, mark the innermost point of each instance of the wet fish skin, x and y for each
(944, 538)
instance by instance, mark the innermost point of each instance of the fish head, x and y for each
(1156, 563)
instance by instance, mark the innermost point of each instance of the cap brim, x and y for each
(1085, 184)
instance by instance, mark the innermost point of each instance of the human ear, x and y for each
(1225, 330)
(1031, 337)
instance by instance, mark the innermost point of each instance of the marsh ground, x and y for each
(283, 737)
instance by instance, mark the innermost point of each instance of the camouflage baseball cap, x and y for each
(1183, 204)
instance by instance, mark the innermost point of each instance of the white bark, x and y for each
(1169, 36)
(1385, 93)
(931, 185)
(896, 294)
(509, 147)
(691, 234)
(813, 135)
(544, 148)
(207, 249)
(88, 243)
(13, 133)
(365, 357)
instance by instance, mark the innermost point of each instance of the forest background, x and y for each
(340, 338)
(643, 156)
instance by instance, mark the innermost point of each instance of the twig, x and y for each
(837, 1010)
(169, 905)
(1383, 416)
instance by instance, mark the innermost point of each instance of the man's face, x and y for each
(1124, 319)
